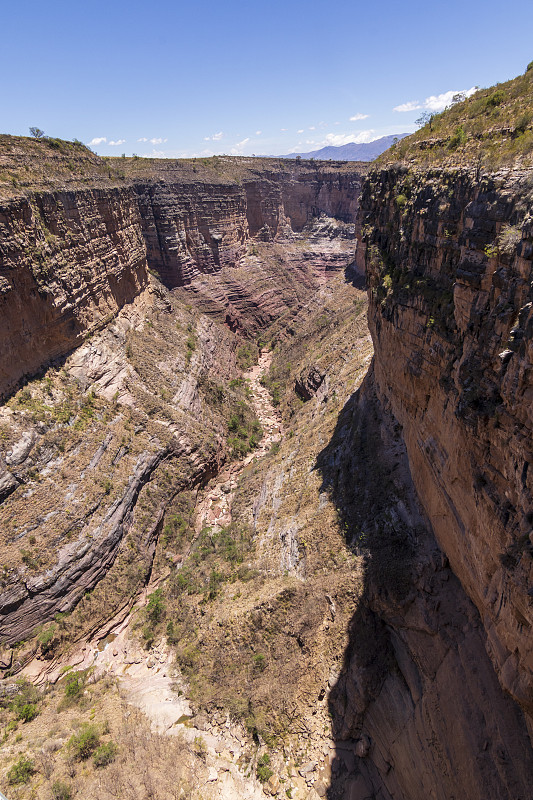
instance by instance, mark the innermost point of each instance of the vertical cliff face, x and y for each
(68, 262)
(198, 227)
(449, 268)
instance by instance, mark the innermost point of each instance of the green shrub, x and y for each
(21, 771)
(46, 639)
(61, 791)
(156, 606)
(74, 685)
(28, 712)
(495, 99)
(523, 122)
(105, 754)
(259, 662)
(84, 743)
(401, 201)
(24, 705)
(247, 356)
(263, 771)
(458, 139)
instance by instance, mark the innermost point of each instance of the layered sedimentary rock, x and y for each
(449, 266)
(68, 262)
(417, 710)
(70, 259)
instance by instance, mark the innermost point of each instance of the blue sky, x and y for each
(176, 79)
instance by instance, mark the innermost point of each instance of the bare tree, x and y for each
(37, 133)
(426, 118)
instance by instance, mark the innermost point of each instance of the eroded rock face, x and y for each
(449, 268)
(68, 262)
(418, 694)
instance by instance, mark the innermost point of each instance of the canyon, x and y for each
(331, 596)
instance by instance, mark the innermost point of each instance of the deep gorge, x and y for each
(376, 592)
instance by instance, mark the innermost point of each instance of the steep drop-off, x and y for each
(450, 284)
(71, 257)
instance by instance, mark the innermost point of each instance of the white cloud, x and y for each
(300, 131)
(214, 138)
(337, 139)
(283, 129)
(237, 149)
(158, 141)
(119, 141)
(98, 140)
(143, 139)
(357, 117)
(312, 127)
(435, 102)
(258, 133)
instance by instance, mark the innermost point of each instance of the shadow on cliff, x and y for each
(416, 710)
(362, 469)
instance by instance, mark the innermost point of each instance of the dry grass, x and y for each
(28, 164)
(146, 765)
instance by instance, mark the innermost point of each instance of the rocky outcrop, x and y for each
(309, 382)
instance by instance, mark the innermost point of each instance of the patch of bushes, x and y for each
(244, 430)
(458, 139)
(21, 771)
(74, 685)
(247, 355)
(61, 791)
(156, 607)
(495, 99)
(83, 744)
(24, 705)
(262, 770)
(105, 754)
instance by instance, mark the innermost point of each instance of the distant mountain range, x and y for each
(351, 151)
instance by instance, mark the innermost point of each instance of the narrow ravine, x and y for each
(214, 507)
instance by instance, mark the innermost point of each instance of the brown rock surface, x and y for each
(450, 283)
(465, 411)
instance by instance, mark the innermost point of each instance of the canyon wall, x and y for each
(70, 259)
(449, 268)
(68, 262)
(196, 227)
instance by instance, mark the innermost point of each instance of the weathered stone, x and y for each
(309, 382)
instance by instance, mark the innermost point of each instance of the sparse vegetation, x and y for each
(83, 744)
(492, 126)
(262, 770)
(105, 754)
(61, 791)
(21, 771)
